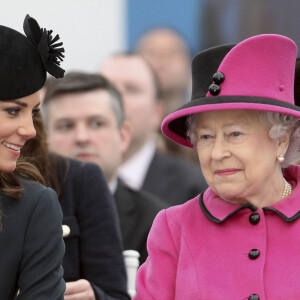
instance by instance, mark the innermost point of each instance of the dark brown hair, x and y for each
(80, 82)
(9, 182)
(54, 168)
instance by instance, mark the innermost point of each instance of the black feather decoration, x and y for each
(51, 53)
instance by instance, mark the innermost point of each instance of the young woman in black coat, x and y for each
(31, 243)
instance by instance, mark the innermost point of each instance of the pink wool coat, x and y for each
(209, 249)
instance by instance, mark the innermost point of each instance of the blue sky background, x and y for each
(182, 15)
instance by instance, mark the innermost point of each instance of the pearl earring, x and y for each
(280, 158)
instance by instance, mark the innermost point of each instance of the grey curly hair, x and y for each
(279, 125)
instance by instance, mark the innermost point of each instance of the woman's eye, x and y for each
(236, 136)
(205, 137)
(236, 133)
(35, 112)
(13, 111)
(205, 140)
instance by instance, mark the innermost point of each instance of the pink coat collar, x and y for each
(218, 211)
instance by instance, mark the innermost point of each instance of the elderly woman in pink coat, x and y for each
(240, 238)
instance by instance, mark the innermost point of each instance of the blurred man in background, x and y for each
(85, 120)
(144, 167)
(168, 55)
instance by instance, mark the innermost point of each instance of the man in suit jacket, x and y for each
(173, 179)
(137, 210)
(168, 54)
(84, 119)
(91, 231)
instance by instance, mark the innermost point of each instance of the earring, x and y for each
(280, 158)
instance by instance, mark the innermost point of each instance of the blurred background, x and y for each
(94, 29)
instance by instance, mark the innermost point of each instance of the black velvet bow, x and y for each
(51, 54)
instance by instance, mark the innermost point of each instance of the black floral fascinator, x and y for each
(25, 60)
(50, 53)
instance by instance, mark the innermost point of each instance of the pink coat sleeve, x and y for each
(156, 277)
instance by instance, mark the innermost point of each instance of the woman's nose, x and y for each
(26, 129)
(220, 149)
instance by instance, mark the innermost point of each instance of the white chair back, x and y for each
(131, 258)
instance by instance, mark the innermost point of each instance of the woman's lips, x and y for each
(14, 149)
(226, 172)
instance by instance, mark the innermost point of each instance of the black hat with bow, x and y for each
(25, 59)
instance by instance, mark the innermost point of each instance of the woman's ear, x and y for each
(283, 143)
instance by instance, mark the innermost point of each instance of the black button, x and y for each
(254, 218)
(253, 297)
(218, 77)
(253, 254)
(214, 89)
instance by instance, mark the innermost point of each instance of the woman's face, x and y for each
(237, 156)
(16, 127)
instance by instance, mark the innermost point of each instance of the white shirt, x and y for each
(134, 170)
(113, 186)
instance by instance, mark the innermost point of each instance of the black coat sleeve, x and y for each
(40, 272)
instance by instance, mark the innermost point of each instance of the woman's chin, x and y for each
(8, 168)
(230, 196)
(234, 200)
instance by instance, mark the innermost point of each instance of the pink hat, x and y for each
(256, 74)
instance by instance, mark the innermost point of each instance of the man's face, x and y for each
(168, 56)
(84, 126)
(134, 80)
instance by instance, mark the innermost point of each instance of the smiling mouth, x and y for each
(226, 172)
(12, 146)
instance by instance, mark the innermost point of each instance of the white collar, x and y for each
(113, 186)
(134, 170)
